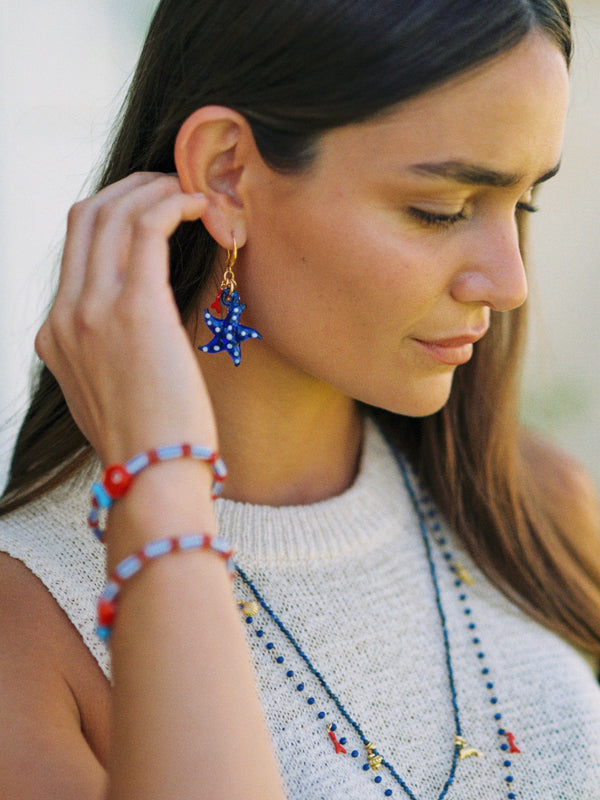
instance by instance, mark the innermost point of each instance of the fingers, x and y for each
(114, 293)
(80, 233)
(134, 216)
(148, 262)
(118, 236)
(116, 228)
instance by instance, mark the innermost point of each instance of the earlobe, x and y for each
(210, 155)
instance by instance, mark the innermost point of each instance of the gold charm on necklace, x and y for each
(462, 573)
(465, 750)
(373, 759)
(249, 608)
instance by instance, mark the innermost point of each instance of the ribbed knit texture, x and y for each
(349, 577)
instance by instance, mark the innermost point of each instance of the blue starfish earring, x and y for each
(229, 333)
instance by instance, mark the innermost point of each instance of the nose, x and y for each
(493, 273)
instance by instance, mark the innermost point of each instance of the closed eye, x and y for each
(432, 219)
(436, 220)
(527, 207)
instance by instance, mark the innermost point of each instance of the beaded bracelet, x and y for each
(107, 602)
(117, 479)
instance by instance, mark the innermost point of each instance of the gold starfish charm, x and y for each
(463, 573)
(373, 759)
(465, 750)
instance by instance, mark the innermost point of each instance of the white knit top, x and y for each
(350, 579)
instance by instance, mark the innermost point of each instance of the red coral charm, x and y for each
(336, 744)
(217, 302)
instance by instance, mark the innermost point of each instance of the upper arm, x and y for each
(53, 701)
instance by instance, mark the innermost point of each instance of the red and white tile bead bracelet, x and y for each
(114, 484)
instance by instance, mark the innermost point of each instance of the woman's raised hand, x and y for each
(116, 344)
(113, 338)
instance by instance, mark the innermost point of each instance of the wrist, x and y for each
(118, 479)
(137, 562)
(162, 501)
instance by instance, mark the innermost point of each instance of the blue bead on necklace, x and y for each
(373, 760)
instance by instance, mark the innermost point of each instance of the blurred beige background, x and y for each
(63, 69)
(562, 386)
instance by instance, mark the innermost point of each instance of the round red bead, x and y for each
(117, 481)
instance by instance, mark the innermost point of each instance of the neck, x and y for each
(287, 438)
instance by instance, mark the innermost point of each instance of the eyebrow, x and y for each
(475, 174)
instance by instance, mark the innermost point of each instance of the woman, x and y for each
(355, 175)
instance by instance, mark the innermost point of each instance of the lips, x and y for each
(453, 350)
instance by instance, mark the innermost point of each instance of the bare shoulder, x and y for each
(54, 699)
(563, 477)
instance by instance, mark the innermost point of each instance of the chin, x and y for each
(418, 399)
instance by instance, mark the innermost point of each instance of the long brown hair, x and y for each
(296, 69)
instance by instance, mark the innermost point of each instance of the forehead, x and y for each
(508, 114)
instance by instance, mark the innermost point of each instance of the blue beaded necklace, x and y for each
(430, 529)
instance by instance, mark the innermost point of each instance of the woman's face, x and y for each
(376, 270)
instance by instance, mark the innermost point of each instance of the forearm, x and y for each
(187, 719)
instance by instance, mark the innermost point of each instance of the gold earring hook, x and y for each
(228, 283)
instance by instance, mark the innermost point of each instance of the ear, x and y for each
(212, 150)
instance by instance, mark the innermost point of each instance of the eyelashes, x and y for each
(432, 220)
(527, 207)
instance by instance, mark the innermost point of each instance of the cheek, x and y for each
(359, 274)
(303, 271)
(343, 313)
(340, 316)
(334, 285)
